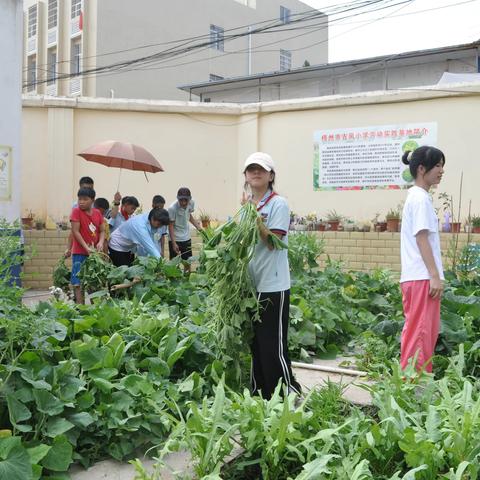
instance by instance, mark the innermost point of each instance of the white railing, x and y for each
(52, 36)
(74, 26)
(75, 86)
(52, 89)
(31, 44)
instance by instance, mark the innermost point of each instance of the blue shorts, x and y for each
(77, 262)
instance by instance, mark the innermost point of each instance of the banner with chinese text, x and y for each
(367, 158)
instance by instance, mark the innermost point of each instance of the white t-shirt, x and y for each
(269, 269)
(119, 243)
(181, 218)
(418, 214)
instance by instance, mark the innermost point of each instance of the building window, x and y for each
(214, 78)
(285, 14)
(32, 21)
(52, 13)
(52, 66)
(76, 8)
(31, 73)
(285, 60)
(75, 57)
(216, 37)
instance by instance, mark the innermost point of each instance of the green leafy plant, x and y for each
(333, 216)
(393, 214)
(61, 275)
(475, 221)
(303, 251)
(233, 303)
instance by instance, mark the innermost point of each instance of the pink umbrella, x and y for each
(122, 155)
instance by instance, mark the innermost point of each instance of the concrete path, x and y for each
(112, 470)
(32, 297)
(353, 392)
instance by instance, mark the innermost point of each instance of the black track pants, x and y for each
(270, 361)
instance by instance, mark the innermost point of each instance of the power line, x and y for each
(344, 33)
(127, 67)
(403, 3)
(123, 66)
(323, 11)
(259, 48)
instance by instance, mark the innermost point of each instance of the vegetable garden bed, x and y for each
(139, 369)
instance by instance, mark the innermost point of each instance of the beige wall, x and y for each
(203, 146)
(287, 136)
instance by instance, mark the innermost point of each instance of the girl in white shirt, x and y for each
(422, 272)
(270, 274)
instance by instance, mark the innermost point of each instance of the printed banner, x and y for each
(367, 158)
(5, 172)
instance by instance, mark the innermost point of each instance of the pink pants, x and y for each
(422, 323)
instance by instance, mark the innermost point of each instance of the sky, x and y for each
(404, 28)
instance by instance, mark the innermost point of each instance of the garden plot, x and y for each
(139, 368)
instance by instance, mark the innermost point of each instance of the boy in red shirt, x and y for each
(88, 232)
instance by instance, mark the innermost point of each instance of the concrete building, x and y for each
(64, 37)
(410, 69)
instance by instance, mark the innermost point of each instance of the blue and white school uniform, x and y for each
(270, 273)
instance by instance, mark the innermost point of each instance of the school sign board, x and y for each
(367, 158)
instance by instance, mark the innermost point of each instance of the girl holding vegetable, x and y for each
(422, 272)
(270, 273)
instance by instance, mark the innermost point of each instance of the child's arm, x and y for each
(172, 238)
(162, 245)
(116, 205)
(68, 251)
(148, 244)
(101, 240)
(436, 284)
(195, 223)
(78, 236)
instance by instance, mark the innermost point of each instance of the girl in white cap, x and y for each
(270, 274)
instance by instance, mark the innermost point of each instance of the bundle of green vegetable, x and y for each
(61, 275)
(94, 272)
(232, 300)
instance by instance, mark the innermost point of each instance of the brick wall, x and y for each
(359, 251)
(45, 247)
(369, 250)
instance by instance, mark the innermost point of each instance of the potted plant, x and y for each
(293, 217)
(300, 225)
(447, 203)
(393, 220)
(475, 224)
(333, 220)
(349, 225)
(311, 219)
(320, 226)
(205, 219)
(63, 224)
(27, 221)
(39, 223)
(378, 226)
(363, 226)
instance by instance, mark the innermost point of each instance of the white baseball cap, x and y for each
(262, 159)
